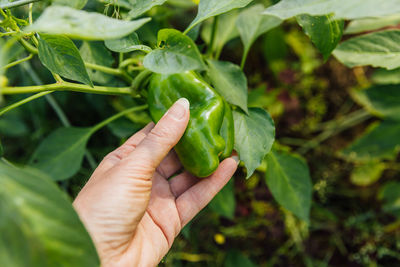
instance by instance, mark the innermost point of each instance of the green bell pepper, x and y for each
(209, 136)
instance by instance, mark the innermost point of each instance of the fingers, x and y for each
(170, 165)
(115, 156)
(161, 139)
(182, 182)
(199, 195)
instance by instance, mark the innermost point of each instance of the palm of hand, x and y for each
(133, 212)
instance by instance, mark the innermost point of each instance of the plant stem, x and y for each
(212, 37)
(111, 71)
(24, 101)
(140, 78)
(67, 86)
(352, 119)
(17, 3)
(129, 61)
(30, 48)
(117, 116)
(244, 58)
(12, 64)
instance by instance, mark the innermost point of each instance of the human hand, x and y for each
(131, 208)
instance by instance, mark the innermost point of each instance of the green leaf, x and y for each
(136, 7)
(371, 24)
(379, 49)
(78, 4)
(324, 31)
(212, 8)
(254, 137)
(139, 7)
(382, 100)
(60, 55)
(83, 25)
(381, 141)
(288, 179)
(176, 53)
(96, 53)
(236, 258)
(226, 30)
(229, 81)
(384, 76)
(368, 173)
(38, 225)
(252, 24)
(127, 44)
(342, 9)
(224, 203)
(60, 155)
(390, 195)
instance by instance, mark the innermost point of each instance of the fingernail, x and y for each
(236, 158)
(179, 109)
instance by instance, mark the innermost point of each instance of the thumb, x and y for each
(162, 138)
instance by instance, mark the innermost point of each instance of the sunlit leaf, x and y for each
(176, 53)
(379, 49)
(83, 25)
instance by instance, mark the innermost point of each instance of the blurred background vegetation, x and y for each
(352, 222)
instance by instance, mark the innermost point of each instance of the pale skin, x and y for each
(130, 206)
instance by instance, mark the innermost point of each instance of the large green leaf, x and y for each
(97, 53)
(229, 81)
(379, 49)
(176, 53)
(381, 141)
(60, 55)
(212, 8)
(83, 25)
(78, 4)
(60, 155)
(226, 30)
(252, 24)
(38, 224)
(288, 179)
(342, 9)
(224, 203)
(127, 44)
(254, 137)
(324, 31)
(372, 24)
(382, 100)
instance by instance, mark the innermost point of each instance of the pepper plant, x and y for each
(119, 47)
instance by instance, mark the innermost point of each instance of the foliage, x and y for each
(322, 164)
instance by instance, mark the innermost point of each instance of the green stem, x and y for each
(117, 116)
(24, 101)
(30, 48)
(30, 14)
(111, 71)
(213, 35)
(17, 3)
(244, 58)
(12, 64)
(351, 120)
(129, 61)
(67, 86)
(140, 78)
